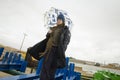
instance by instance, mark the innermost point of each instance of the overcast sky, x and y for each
(95, 34)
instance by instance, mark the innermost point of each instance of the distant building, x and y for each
(114, 65)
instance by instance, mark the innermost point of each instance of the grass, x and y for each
(105, 75)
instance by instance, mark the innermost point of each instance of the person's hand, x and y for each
(50, 31)
(41, 54)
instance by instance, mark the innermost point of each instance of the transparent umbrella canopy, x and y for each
(50, 18)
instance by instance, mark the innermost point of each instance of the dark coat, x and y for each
(58, 50)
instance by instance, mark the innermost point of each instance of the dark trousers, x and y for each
(49, 66)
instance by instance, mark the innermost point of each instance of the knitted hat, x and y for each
(61, 16)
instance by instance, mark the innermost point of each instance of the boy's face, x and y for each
(59, 21)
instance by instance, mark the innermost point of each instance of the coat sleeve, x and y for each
(66, 40)
(48, 35)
